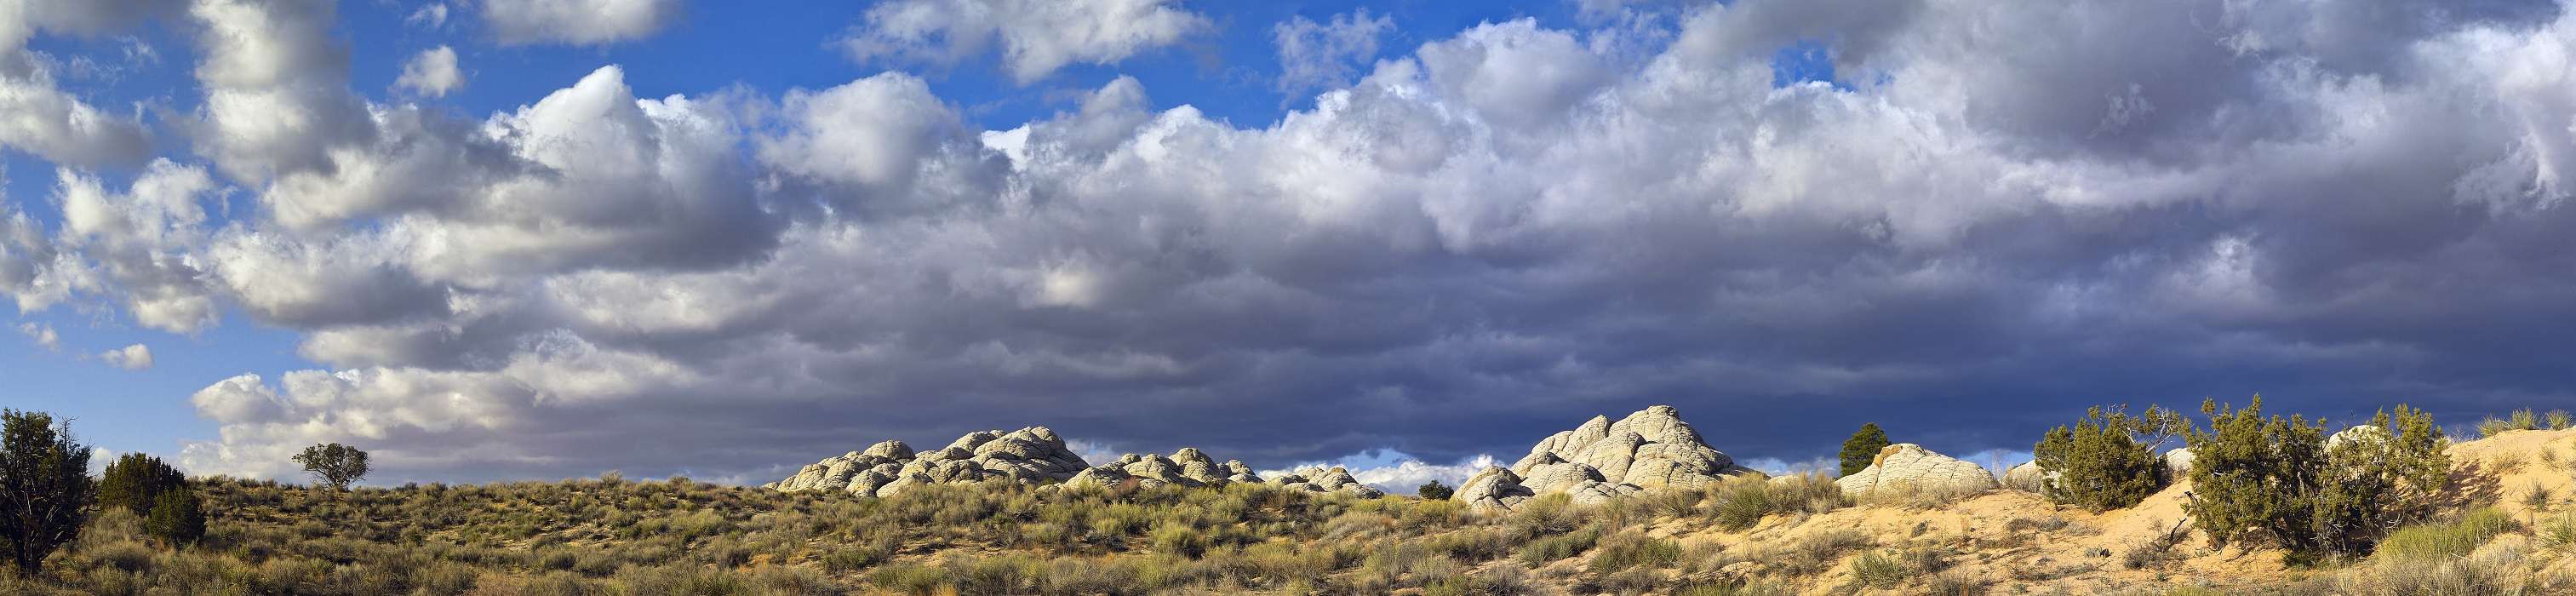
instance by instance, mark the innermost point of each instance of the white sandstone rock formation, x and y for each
(2029, 476)
(1033, 455)
(1907, 466)
(1327, 480)
(2366, 432)
(2178, 462)
(1603, 460)
(1187, 467)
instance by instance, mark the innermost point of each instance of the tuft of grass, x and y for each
(2558, 420)
(1880, 570)
(1553, 548)
(2443, 541)
(1625, 550)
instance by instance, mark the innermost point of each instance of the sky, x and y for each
(537, 239)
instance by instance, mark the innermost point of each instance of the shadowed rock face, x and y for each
(1907, 466)
(1603, 460)
(1032, 455)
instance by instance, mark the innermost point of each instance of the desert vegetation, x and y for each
(2406, 514)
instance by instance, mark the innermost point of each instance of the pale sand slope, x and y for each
(2017, 542)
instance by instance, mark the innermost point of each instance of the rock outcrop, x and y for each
(2029, 476)
(2366, 432)
(1187, 467)
(1910, 467)
(1033, 455)
(2178, 463)
(1603, 460)
(1327, 480)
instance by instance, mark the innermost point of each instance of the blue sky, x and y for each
(776, 231)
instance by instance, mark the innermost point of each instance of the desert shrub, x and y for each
(1179, 539)
(135, 481)
(1741, 502)
(2558, 420)
(1816, 551)
(1435, 491)
(1862, 448)
(2445, 540)
(178, 516)
(1552, 548)
(2523, 419)
(2373, 486)
(1880, 570)
(2108, 459)
(2492, 426)
(1545, 515)
(1630, 549)
(1738, 504)
(2273, 479)
(2556, 534)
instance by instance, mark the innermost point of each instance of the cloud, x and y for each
(146, 239)
(132, 357)
(1989, 216)
(428, 16)
(1315, 56)
(432, 73)
(1037, 36)
(43, 335)
(575, 22)
(38, 117)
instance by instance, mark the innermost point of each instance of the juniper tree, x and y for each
(45, 488)
(1862, 448)
(333, 464)
(136, 481)
(2108, 459)
(2377, 482)
(2254, 477)
(2275, 479)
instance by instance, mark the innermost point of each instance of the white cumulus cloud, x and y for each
(1036, 36)
(576, 22)
(432, 73)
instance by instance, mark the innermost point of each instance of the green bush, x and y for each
(178, 517)
(135, 482)
(1862, 448)
(2108, 459)
(2255, 477)
(1434, 490)
(2275, 480)
(2558, 419)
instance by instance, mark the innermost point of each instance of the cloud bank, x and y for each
(1991, 216)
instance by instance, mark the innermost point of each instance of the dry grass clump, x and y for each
(1741, 502)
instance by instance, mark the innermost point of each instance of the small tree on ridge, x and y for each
(333, 464)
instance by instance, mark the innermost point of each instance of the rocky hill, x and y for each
(1603, 460)
(1032, 455)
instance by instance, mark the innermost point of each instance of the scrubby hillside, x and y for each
(1742, 536)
